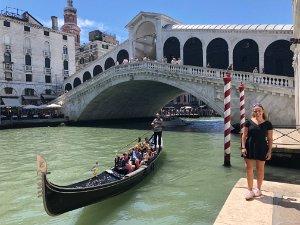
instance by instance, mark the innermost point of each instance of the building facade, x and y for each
(35, 59)
(91, 51)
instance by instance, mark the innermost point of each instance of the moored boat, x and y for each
(60, 199)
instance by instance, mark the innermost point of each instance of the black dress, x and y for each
(256, 142)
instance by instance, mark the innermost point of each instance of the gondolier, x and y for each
(157, 125)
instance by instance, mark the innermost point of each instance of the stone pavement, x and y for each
(279, 205)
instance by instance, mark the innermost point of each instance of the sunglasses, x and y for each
(257, 104)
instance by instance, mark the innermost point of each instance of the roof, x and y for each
(258, 27)
(142, 14)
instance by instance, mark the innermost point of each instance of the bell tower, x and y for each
(70, 22)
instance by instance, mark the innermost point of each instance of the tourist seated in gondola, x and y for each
(123, 164)
(137, 157)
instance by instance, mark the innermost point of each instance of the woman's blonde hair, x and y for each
(264, 116)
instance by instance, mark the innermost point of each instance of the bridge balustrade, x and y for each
(215, 74)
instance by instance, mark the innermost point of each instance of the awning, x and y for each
(50, 97)
(12, 102)
(29, 97)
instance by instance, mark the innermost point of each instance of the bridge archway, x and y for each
(172, 48)
(68, 87)
(86, 76)
(217, 55)
(76, 82)
(145, 41)
(193, 52)
(123, 54)
(245, 56)
(97, 70)
(109, 62)
(279, 58)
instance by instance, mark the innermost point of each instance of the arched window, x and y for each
(27, 60)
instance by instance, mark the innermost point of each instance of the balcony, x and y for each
(66, 73)
(27, 51)
(27, 69)
(65, 57)
(47, 54)
(47, 71)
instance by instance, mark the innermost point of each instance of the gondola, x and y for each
(60, 199)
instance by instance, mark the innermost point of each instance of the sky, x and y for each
(111, 16)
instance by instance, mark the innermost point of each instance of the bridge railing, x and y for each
(240, 76)
(193, 71)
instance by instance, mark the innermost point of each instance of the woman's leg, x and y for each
(249, 164)
(260, 171)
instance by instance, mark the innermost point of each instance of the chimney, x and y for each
(54, 23)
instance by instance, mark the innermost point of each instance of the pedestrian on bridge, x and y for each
(157, 125)
(257, 140)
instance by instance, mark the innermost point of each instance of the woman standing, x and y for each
(257, 140)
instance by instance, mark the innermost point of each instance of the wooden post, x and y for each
(227, 118)
(242, 106)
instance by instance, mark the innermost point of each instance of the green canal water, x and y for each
(189, 185)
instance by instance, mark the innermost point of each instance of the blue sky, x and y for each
(111, 16)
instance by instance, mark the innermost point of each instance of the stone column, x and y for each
(296, 59)
(159, 44)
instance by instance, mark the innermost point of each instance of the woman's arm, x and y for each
(244, 137)
(270, 144)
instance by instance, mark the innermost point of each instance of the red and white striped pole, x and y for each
(227, 118)
(242, 106)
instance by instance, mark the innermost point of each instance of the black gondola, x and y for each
(60, 199)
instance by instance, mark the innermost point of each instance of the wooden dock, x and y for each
(279, 204)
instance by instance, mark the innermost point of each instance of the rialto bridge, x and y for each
(106, 90)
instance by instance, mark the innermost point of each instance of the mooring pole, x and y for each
(242, 106)
(227, 118)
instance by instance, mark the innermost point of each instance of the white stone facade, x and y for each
(38, 43)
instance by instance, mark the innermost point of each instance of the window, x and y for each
(28, 78)
(66, 65)
(8, 76)
(47, 63)
(81, 61)
(29, 92)
(27, 60)
(91, 58)
(26, 28)
(81, 49)
(8, 90)
(104, 46)
(46, 33)
(6, 23)
(48, 91)
(48, 79)
(7, 57)
(65, 50)
(65, 37)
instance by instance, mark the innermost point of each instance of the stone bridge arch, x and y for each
(140, 89)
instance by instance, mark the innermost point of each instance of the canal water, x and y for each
(189, 185)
